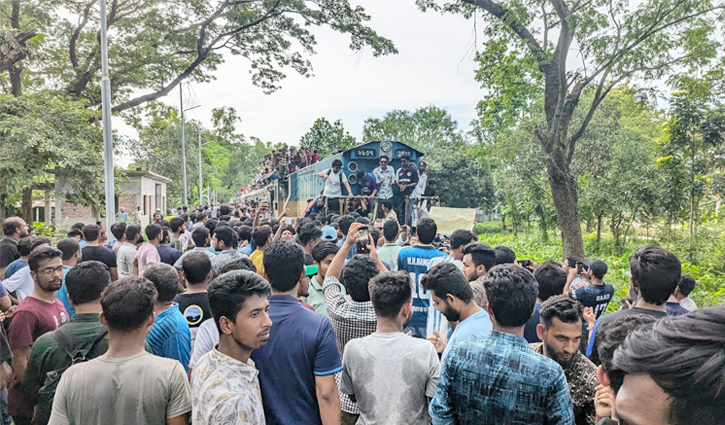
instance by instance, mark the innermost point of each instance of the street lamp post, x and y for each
(201, 201)
(107, 134)
(183, 139)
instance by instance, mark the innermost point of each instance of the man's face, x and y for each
(469, 268)
(324, 265)
(641, 401)
(286, 235)
(404, 162)
(217, 244)
(251, 329)
(561, 340)
(336, 169)
(422, 166)
(49, 276)
(445, 308)
(303, 287)
(384, 164)
(23, 229)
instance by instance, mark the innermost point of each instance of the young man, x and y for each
(389, 213)
(194, 303)
(655, 275)
(414, 260)
(224, 382)
(323, 253)
(127, 252)
(368, 187)
(72, 255)
(169, 336)
(407, 179)
(85, 283)
(200, 237)
(96, 252)
(262, 237)
(14, 228)
(118, 231)
(167, 254)
(478, 259)
(39, 313)
(560, 331)
(21, 283)
(177, 226)
(147, 253)
(126, 385)
(595, 293)
(245, 240)
(390, 250)
(528, 388)
(453, 298)
(683, 291)
(225, 243)
(551, 279)
(301, 342)
(334, 179)
(309, 236)
(390, 375)
(459, 239)
(673, 371)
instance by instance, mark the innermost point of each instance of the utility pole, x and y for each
(183, 143)
(201, 201)
(107, 134)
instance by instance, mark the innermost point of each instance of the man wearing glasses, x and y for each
(385, 177)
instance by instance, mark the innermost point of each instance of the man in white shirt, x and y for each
(127, 251)
(335, 178)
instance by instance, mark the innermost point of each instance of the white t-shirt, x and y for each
(207, 336)
(21, 282)
(333, 185)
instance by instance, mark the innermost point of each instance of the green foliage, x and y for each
(327, 138)
(488, 227)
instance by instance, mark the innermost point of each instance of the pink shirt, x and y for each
(146, 254)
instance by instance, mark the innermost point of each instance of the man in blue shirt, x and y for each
(414, 260)
(344, 226)
(169, 336)
(499, 378)
(368, 186)
(297, 366)
(453, 297)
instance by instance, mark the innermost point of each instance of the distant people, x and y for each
(83, 332)
(225, 382)
(96, 252)
(407, 179)
(194, 303)
(200, 238)
(414, 260)
(301, 342)
(262, 237)
(169, 336)
(23, 247)
(535, 387)
(14, 228)
(225, 243)
(504, 255)
(335, 178)
(126, 385)
(390, 375)
(673, 371)
(177, 226)
(478, 259)
(683, 291)
(551, 279)
(122, 215)
(127, 252)
(343, 228)
(22, 283)
(147, 253)
(453, 297)
(560, 333)
(459, 239)
(420, 187)
(594, 292)
(323, 253)
(390, 249)
(71, 256)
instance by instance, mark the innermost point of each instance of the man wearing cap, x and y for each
(596, 294)
(329, 234)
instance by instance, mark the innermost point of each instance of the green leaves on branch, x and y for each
(327, 138)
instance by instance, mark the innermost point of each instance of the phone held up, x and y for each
(525, 263)
(363, 241)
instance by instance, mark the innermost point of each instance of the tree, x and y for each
(616, 42)
(327, 138)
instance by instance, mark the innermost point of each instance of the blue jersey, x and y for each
(414, 260)
(596, 296)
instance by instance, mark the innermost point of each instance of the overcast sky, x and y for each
(434, 66)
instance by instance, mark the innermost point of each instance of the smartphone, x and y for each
(363, 241)
(525, 263)
(288, 221)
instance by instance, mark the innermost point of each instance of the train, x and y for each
(303, 185)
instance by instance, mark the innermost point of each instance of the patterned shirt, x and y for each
(351, 319)
(582, 378)
(225, 391)
(499, 379)
(385, 190)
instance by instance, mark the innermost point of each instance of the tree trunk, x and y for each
(17, 68)
(28, 205)
(564, 194)
(599, 228)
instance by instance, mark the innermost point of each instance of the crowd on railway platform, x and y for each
(230, 314)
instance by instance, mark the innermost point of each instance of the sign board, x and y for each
(449, 220)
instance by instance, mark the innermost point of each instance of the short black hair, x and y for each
(79, 225)
(404, 156)
(345, 222)
(389, 292)
(309, 232)
(460, 238)
(447, 278)
(610, 336)
(165, 278)
(36, 242)
(324, 249)
(68, 247)
(686, 284)
(228, 292)
(40, 254)
(91, 232)
(284, 263)
(511, 292)
(390, 230)
(336, 163)
(118, 229)
(86, 281)
(656, 272)
(384, 156)
(387, 204)
(598, 268)
(72, 233)
(242, 263)
(244, 232)
(504, 255)
(563, 308)
(196, 266)
(685, 356)
(481, 254)
(551, 279)
(224, 209)
(11, 226)
(176, 223)
(153, 231)
(427, 230)
(131, 232)
(24, 249)
(199, 236)
(128, 303)
(356, 276)
(227, 235)
(261, 235)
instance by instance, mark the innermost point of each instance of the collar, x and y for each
(315, 284)
(168, 311)
(246, 370)
(424, 245)
(284, 300)
(389, 244)
(84, 318)
(199, 248)
(129, 244)
(508, 338)
(227, 252)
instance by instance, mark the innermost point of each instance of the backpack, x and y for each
(52, 378)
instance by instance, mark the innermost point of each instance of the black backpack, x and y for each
(52, 378)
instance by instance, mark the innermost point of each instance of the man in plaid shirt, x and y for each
(351, 315)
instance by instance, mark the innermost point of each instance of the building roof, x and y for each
(147, 174)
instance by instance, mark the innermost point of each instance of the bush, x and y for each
(489, 227)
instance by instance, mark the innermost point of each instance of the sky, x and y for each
(434, 66)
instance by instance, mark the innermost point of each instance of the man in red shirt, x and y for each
(38, 313)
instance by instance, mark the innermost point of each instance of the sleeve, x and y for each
(414, 177)
(204, 341)
(179, 394)
(20, 332)
(15, 281)
(111, 260)
(346, 384)
(33, 378)
(178, 346)
(441, 408)
(334, 300)
(327, 358)
(343, 176)
(59, 414)
(3, 291)
(434, 367)
(8, 254)
(560, 409)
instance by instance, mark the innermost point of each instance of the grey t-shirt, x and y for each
(333, 184)
(392, 375)
(140, 389)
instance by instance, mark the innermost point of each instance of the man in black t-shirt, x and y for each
(14, 229)
(194, 303)
(407, 179)
(96, 252)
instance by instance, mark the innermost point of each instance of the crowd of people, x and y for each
(278, 164)
(230, 316)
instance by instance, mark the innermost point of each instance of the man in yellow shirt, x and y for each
(262, 237)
